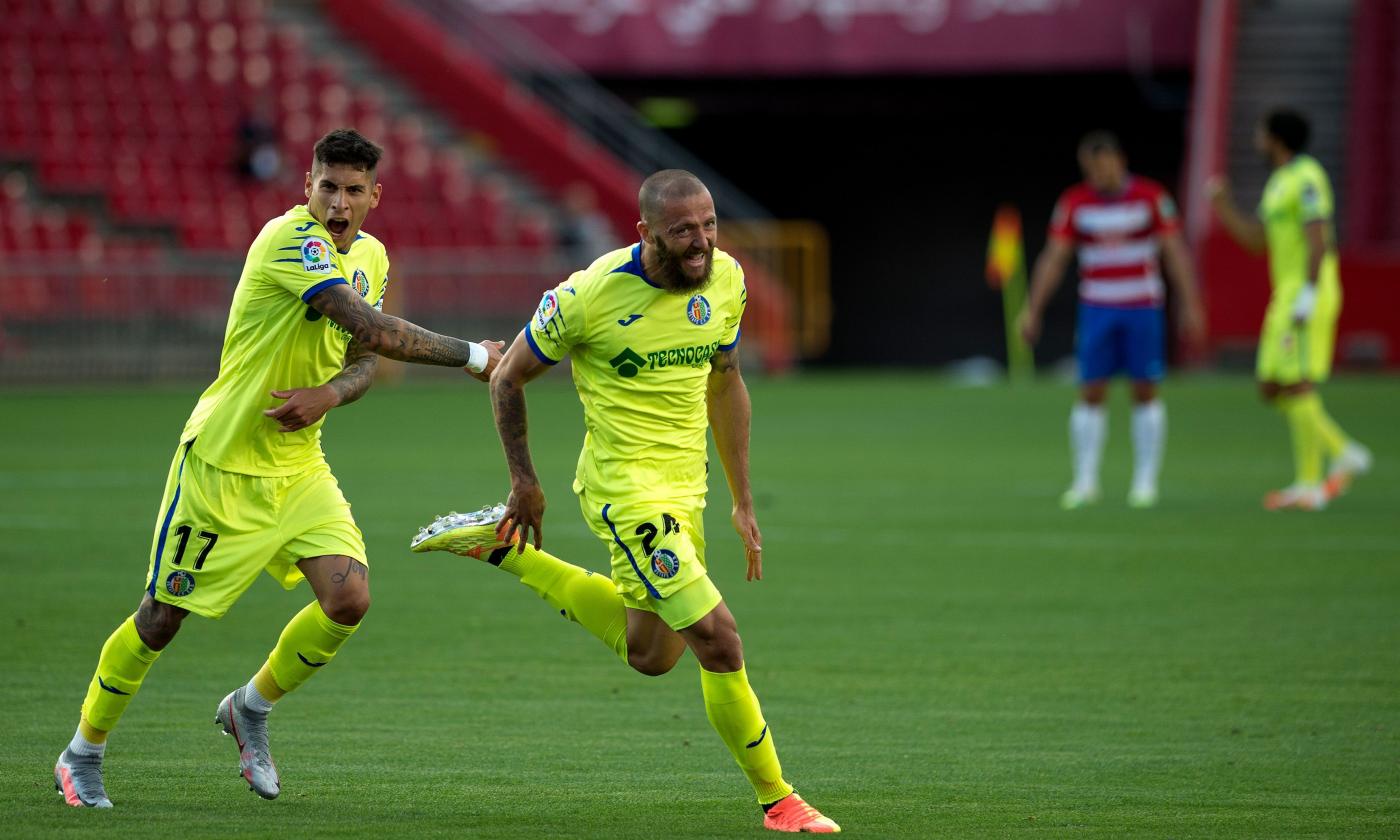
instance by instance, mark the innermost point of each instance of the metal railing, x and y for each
(163, 317)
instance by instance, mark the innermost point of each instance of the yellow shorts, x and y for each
(216, 530)
(658, 555)
(1290, 354)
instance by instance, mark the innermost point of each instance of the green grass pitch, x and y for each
(940, 650)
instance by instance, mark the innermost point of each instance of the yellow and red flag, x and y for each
(1006, 271)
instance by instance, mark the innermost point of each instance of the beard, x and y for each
(671, 273)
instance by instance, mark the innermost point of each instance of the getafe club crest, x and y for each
(665, 563)
(698, 310)
(179, 583)
(549, 307)
(360, 283)
(316, 255)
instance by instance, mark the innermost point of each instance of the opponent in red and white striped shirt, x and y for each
(1120, 224)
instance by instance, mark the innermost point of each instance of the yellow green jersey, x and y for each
(641, 358)
(275, 341)
(1297, 194)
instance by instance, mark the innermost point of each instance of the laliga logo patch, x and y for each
(549, 307)
(360, 283)
(316, 256)
(179, 583)
(665, 563)
(698, 310)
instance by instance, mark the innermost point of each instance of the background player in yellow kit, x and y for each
(653, 331)
(249, 489)
(1300, 325)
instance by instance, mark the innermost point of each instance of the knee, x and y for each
(650, 667)
(347, 605)
(157, 623)
(1093, 394)
(1144, 392)
(1268, 391)
(651, 662)
(722, 655)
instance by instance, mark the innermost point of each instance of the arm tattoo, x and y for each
(387, 335)
(508, 400)
(358, 374)
(725, 361)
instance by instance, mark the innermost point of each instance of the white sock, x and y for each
(1149, 441)
(1088, 429)
(82, 746)
(254, 701)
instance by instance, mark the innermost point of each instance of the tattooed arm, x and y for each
(304, 406)
(727, 404)
(392, 337)
(525, 507)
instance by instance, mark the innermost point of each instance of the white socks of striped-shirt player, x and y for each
(1149, 440)
(1088, 432)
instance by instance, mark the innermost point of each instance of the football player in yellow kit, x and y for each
(1300, 326)
(249, 489)
(653, 330)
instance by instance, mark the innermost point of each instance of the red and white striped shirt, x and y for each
(1117, 237)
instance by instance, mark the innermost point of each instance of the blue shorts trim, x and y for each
(165, 526)
(651, 590)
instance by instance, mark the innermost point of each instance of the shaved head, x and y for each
(663, 187)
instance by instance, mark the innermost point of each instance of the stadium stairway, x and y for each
(1295, 53)
(1336, 61)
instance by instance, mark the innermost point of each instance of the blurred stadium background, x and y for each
(857, 152)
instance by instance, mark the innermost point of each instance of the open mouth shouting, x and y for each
(337, 227)
(695, 261)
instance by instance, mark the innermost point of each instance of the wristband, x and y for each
(1304, 302)
(477, 357)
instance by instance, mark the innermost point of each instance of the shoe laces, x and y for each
(254, 728)
(86, 771)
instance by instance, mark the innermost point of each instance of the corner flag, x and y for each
(1006, 270)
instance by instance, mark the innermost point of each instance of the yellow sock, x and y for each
(1307, 447)
(733, 710)
(308, 642)
(586, 598)
(1329, 435)
(122, 666)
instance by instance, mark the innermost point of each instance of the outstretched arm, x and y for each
(304, 406)
(1045, 279)
(730, 413)
(525, 507)
(395, 338)
(1245, 230)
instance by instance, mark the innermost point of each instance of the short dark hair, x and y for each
(347, 147)
(666, 185)
(1289, 128)
(1100, 141)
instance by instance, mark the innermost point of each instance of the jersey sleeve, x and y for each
(732, 322)
(558, 324)
(1314, 196)
(383, 287)
(303, 265)
(1165, 216)
(1061, 224)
